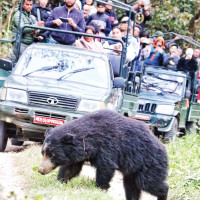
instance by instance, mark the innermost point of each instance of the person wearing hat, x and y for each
(171, 59)
(143, 12)
(124, 29)
(157, 53)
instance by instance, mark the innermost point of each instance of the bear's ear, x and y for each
(68, 139)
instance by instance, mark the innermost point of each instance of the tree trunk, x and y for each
(9, 15)
(192, 21)
(1, 18)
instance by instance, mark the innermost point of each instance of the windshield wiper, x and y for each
(47, 68)
(74, 72)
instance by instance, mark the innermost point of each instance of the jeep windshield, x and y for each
(162, 84)
(64, 65)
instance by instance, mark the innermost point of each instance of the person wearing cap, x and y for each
(101, 20)
(143, 12)
(157, 53)
(171, 59)
(124, 29)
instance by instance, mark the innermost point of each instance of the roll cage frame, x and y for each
(115, 4)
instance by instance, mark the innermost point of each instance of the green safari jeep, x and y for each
(167, 103)
(52, 84)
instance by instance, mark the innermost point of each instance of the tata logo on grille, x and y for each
(52, 100)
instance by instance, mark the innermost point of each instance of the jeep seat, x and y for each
(115, 62)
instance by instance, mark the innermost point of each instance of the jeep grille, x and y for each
(51, 115)
(43, 99)
(147, 107)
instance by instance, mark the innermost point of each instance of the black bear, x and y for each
(109, 141)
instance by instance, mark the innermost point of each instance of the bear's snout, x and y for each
(41, 170)
(46, 166)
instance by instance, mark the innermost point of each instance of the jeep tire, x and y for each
(3, 136)
(171, 134)
(190, 127)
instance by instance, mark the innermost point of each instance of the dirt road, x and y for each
(13, 185)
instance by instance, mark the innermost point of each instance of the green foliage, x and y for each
(173, 16)
(184, 162)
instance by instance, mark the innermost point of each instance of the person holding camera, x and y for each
(188, 63)
(65, 18)
(143, 12)
(157, 53)
(171, 59)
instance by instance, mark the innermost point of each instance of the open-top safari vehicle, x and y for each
(53, 84)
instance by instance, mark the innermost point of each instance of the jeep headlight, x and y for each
(14, 95)
(90, 106)
(165, 109)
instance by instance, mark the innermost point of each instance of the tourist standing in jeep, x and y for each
(74, 21)
(26, 19)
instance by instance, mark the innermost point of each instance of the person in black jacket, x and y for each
(101, 20)
(188, 64)
(41, 12)
(111, 14)
(143, 12)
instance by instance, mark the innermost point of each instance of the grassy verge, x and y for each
(184, 171)
(184, 175)
(48, 188)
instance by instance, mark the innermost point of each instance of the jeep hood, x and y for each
(162, 99)
(52, 86)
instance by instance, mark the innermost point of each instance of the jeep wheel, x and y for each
(171, 134)
(3, 136)
(16, 142)
(190, 127)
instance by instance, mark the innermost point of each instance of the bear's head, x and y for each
(60, 148)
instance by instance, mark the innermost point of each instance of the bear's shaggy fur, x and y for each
(109, 141)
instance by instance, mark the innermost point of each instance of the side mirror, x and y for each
(187, 94)
(6, 64)
(119, 82)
